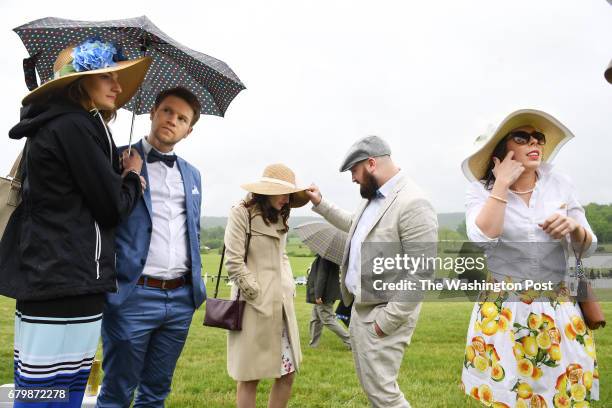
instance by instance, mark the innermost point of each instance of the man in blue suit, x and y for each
(145, 323)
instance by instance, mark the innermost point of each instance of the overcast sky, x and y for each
(428, 76)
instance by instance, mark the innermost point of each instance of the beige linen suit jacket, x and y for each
(405, 216)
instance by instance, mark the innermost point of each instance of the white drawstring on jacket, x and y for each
(96, 112)
(98, 249)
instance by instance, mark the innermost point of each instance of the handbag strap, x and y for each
(578, 270)
(16, 166)
(219, 273)
(246, 251)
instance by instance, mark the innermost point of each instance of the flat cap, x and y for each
(370, 146)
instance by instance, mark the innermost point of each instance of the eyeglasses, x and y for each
(522, 137)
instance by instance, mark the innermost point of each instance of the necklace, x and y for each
(527, 191)
(523, 192)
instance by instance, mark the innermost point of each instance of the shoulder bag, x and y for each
(222, 313)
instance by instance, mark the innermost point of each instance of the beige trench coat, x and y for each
(266, 283)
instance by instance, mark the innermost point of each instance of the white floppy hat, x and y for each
(475, 165)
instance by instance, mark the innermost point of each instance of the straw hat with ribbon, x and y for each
(278, 179)
(608, 73)
(475, 165)
(94, 57)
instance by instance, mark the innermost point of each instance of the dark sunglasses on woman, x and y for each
(522, 137)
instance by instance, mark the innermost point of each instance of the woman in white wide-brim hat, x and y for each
(268, 346)
(527, 349)
(57, 256)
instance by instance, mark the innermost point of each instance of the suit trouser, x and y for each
(142, 340)
(378, 360)
(323, 315)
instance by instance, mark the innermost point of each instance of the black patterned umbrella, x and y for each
(211, 80)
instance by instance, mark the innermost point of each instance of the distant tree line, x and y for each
(599, 216)
(600, 219)
(212, 238)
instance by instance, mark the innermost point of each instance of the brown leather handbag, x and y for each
(591, 309)
(222, 313)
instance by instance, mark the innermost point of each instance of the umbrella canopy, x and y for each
(211, 80)
(323, 239)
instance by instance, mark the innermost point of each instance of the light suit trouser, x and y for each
(323, 315)
(378, 360)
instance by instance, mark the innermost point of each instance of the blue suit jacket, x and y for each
(133, 236)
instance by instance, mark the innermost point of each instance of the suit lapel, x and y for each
(187, 186)
(347, 246)
(387, 203)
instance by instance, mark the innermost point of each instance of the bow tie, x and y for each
(155, 156)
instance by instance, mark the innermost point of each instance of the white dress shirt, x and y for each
(168, 256)
(364, 226)
(553, 193)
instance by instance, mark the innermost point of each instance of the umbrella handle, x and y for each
(143, 47)
(129, 150)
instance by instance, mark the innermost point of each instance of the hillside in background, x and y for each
(450, 220)
(446, 220)
(212, 222)
(451, 226)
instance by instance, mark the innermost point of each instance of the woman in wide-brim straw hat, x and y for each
(269, 344)
(57, 252)
(526, 350)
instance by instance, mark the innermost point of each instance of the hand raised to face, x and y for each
(508, 170)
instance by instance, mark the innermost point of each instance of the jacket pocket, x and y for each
(371, 315)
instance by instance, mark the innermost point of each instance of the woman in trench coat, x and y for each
(268, 346)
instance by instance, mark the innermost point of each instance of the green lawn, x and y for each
(429, 376)
(210, 264)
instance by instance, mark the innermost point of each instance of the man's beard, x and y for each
(368, 187)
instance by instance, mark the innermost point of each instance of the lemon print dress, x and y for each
(522, 351)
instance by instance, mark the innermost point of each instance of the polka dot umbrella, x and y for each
(211, 80)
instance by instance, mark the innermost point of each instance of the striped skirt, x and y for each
(55, 344)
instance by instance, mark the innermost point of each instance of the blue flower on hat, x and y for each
(95, 54)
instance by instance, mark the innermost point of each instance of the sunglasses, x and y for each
(522, 137)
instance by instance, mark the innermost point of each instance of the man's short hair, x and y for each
(186, 95)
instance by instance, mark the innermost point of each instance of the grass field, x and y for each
(429, 376)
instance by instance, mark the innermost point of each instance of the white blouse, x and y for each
(553, 193)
